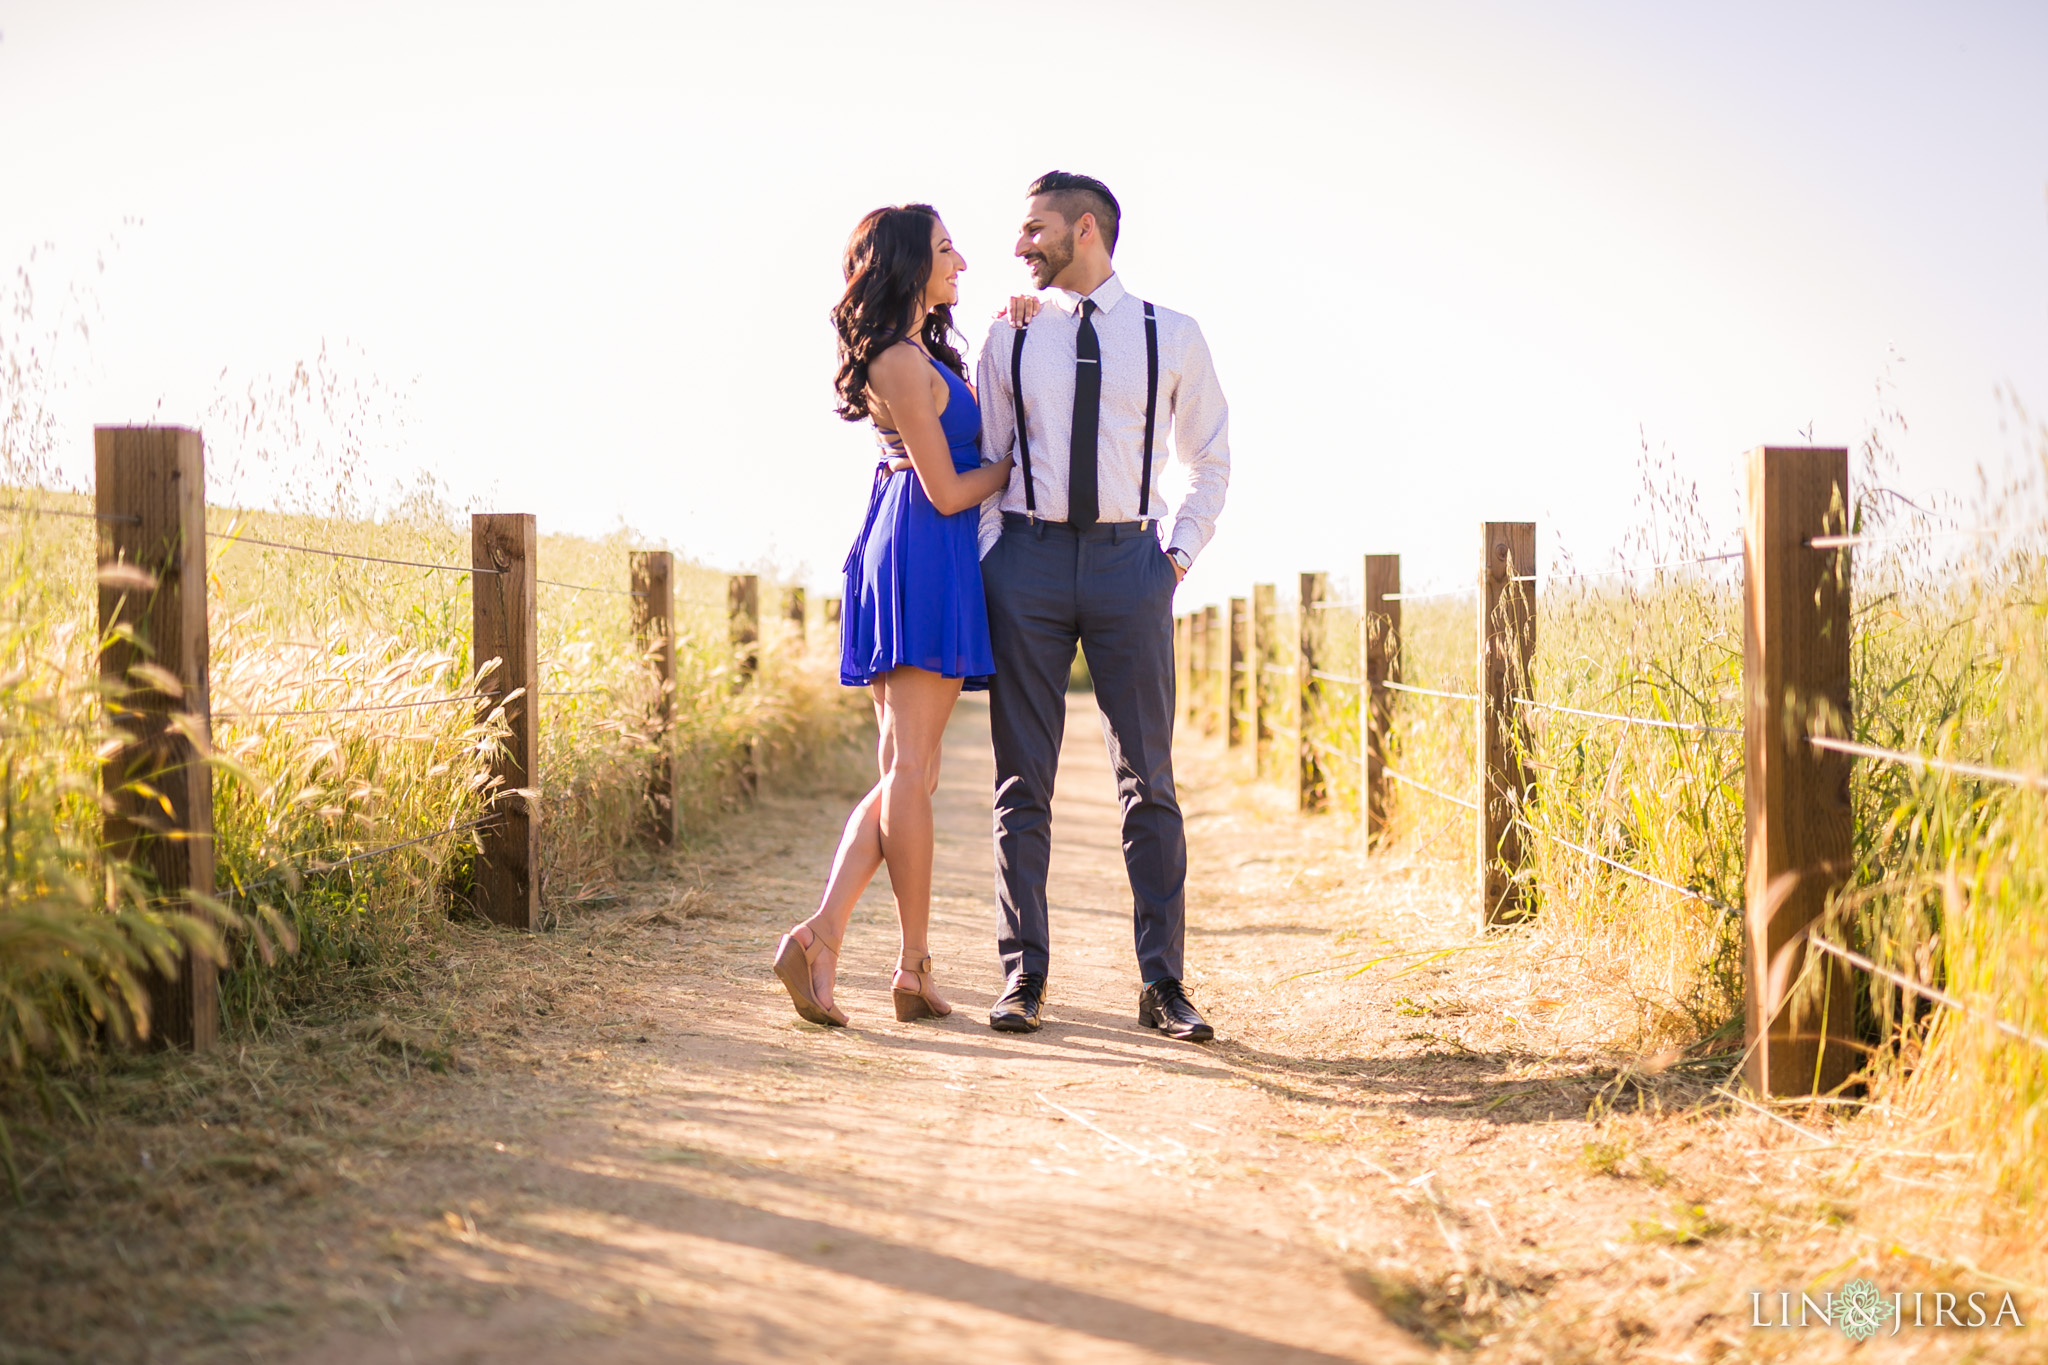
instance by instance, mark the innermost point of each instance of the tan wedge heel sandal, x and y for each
(793, 961)
(924, 1002)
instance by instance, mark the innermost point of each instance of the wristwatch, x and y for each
(1182, 558)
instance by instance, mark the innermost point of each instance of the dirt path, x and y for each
(745, 1187)
(615, 1142)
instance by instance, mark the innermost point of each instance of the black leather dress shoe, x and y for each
(1017, 1011)
(1164, 1005)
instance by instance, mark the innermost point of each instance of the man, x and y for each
(1074, 550)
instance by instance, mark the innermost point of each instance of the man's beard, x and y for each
(1050, 259)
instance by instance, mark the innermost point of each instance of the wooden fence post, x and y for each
(1184, 699)
(743, 622)
(1312, 784)
(1207, 628)
(1213, 677)
(1198, 671)
(1254, 654)
(743, 615)
(151, 501)
(1219, 678)
(831, 611)
(1236, 710)
(1800, 825)
(1180, 668)
(1379, 655)
(654, 627)
(1507, 642)
(793, 612)
(1263, 652)
(504, 553)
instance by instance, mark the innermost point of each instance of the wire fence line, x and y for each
(1554, 575)
(1649, 721)
(1406, 780)
(114, 517)
(489, 692)
(350, 710)
(1429, 692)
(45, 723)
(1539, 865)
(579, 587)
(2034, 781)
(1637, 872)
(1332, 751)
(1941, 765)
(393, 848)
(1856, 959)
(1896, 538)
(392, 706)
(325, 858)
(235, 538)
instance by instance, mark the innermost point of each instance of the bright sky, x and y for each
(1451, 257)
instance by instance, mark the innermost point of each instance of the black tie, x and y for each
(1081, 500)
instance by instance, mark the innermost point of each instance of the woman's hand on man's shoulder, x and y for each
(1019, 311)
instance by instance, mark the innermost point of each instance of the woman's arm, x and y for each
(902, 378)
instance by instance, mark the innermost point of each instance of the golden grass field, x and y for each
(341, 721)
(1950, 660)
(1950, 885)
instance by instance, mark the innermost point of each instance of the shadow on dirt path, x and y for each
(741, 1186)
(616, 1143)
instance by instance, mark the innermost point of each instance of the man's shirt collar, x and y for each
(1106, 295)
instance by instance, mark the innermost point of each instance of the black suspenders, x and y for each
(1151, 414)
(1023, 432)
(1151, 410)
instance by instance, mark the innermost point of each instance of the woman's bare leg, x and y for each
(915, 707)
(893, 822)
(853, 867)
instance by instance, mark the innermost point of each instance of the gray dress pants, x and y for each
(1109, 588)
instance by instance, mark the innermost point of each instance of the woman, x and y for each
(913, 625)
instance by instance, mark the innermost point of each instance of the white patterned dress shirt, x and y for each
(1191, 409)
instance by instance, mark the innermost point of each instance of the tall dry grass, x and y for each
(343, 724)
(1951, 886)
(1951, 881)
(77, 935)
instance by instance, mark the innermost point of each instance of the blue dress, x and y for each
(913, 577)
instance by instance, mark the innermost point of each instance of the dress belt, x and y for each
(1115, 529)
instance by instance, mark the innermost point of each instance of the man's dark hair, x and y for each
(1075, 195)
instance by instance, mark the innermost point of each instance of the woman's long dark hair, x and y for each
(888, 264)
